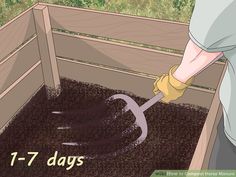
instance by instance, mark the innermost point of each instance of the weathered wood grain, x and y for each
(127, 57)
(16, 32)
(46, 50)
(139, 29)
(206, 141)
(136, 83)
(19, 93)
(18, 63)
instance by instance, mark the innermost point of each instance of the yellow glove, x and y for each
(170, 87)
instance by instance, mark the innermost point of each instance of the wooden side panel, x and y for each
(16, 32)
(115, 79)
(18, 63)
(127, 57)
(206, 141)
(139, 29)
(46, 48)
(22, 91)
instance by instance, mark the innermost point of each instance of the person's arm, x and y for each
(173, 84)
(194, 61)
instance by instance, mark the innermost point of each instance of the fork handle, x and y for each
(152, 101)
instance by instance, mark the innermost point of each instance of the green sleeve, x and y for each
(213, 25)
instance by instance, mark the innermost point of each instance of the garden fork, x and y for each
(140, 121)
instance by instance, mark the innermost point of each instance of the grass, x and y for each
(11, 8)
(175, 10)
(162, 9)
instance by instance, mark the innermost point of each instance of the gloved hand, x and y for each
(170, 86)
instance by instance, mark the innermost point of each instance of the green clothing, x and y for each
(223, 154)
(213, 28)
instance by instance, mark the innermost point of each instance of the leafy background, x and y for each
(176, 10)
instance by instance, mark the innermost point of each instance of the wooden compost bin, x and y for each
(48, 38)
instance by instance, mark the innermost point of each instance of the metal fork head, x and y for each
(140, 119)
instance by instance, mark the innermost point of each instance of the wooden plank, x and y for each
(212, 139)
(127, 57)
(47, 51)
(132, 82)
(18, 94)
(206, 141)
(139, 29)
(18, 63)
(14, 33)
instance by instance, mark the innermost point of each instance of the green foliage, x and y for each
(11, 2)
(76, 3)
(178, 4)
(177, 10)
(8, 3)
(11, 8)
(81, 3)
(181, 4)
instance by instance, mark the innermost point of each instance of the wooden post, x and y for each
(47, 51)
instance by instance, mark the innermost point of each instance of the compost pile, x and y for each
(173, 132)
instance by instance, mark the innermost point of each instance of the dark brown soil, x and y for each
(173, 132)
